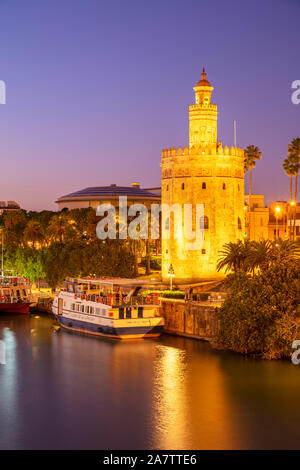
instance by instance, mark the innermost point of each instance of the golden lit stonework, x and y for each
(203, 173)
(203, 115)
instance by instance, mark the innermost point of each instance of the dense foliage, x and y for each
(261, 314)
(52, 246)
(173, 294)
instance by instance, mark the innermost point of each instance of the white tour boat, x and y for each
(112, 307)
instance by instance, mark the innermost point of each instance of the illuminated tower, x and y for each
(204, 173)
(203, 115)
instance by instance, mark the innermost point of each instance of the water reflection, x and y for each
(62, 390)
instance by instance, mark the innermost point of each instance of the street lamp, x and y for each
(277, 212)
(171, 274)
(292, 216)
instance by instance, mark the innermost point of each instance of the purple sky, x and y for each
(95, 89)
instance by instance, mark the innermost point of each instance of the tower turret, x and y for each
(203, 115)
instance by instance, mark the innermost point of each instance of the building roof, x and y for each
(107, 192)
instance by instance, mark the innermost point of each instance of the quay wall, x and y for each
(196, 320)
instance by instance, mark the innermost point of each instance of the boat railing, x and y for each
(7, 299)
(13, 281)
(121, 300)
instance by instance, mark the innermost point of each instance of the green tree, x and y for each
(14, 226)
(33, 233)
(60, 228)
(252, 255)
(252, 154)
(233, 256)
(294, 161)
(261, 314)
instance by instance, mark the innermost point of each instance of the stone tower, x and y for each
(204, 174)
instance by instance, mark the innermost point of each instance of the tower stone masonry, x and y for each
(206, 174)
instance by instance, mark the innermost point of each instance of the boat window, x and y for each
(92, 310)
(98, 311)
(87, 309)
(77, 307)
(24, 292)
(73, 306)
(82, 308)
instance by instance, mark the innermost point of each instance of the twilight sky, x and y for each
(96, 88)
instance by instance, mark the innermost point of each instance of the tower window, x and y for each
(167, 187)
(239, 224)
(182, 186)
(167, 224)
(203, 251)
(203, 185)
(224, 186)
(204, 222)
(238, 187)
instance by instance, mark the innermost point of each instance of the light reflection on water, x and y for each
(61, 390)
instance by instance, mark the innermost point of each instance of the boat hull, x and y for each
(14, 308)
(126, 332)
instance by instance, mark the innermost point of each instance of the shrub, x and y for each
(173, 294)
(261, 314)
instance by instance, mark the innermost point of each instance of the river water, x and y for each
(60, 390)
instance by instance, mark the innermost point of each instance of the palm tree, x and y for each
(259, 254)
(253, 255)
(294, 163)
(33, 232)
(59, 227)
(233, 256)
(289, 170)
(252, 154)
(285, 249)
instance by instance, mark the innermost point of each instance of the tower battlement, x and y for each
(209, 149)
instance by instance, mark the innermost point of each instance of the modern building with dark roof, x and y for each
(95, 195)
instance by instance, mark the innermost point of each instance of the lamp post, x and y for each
(171, 274)
(292, 217)
(277, 211)
(247, 222)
